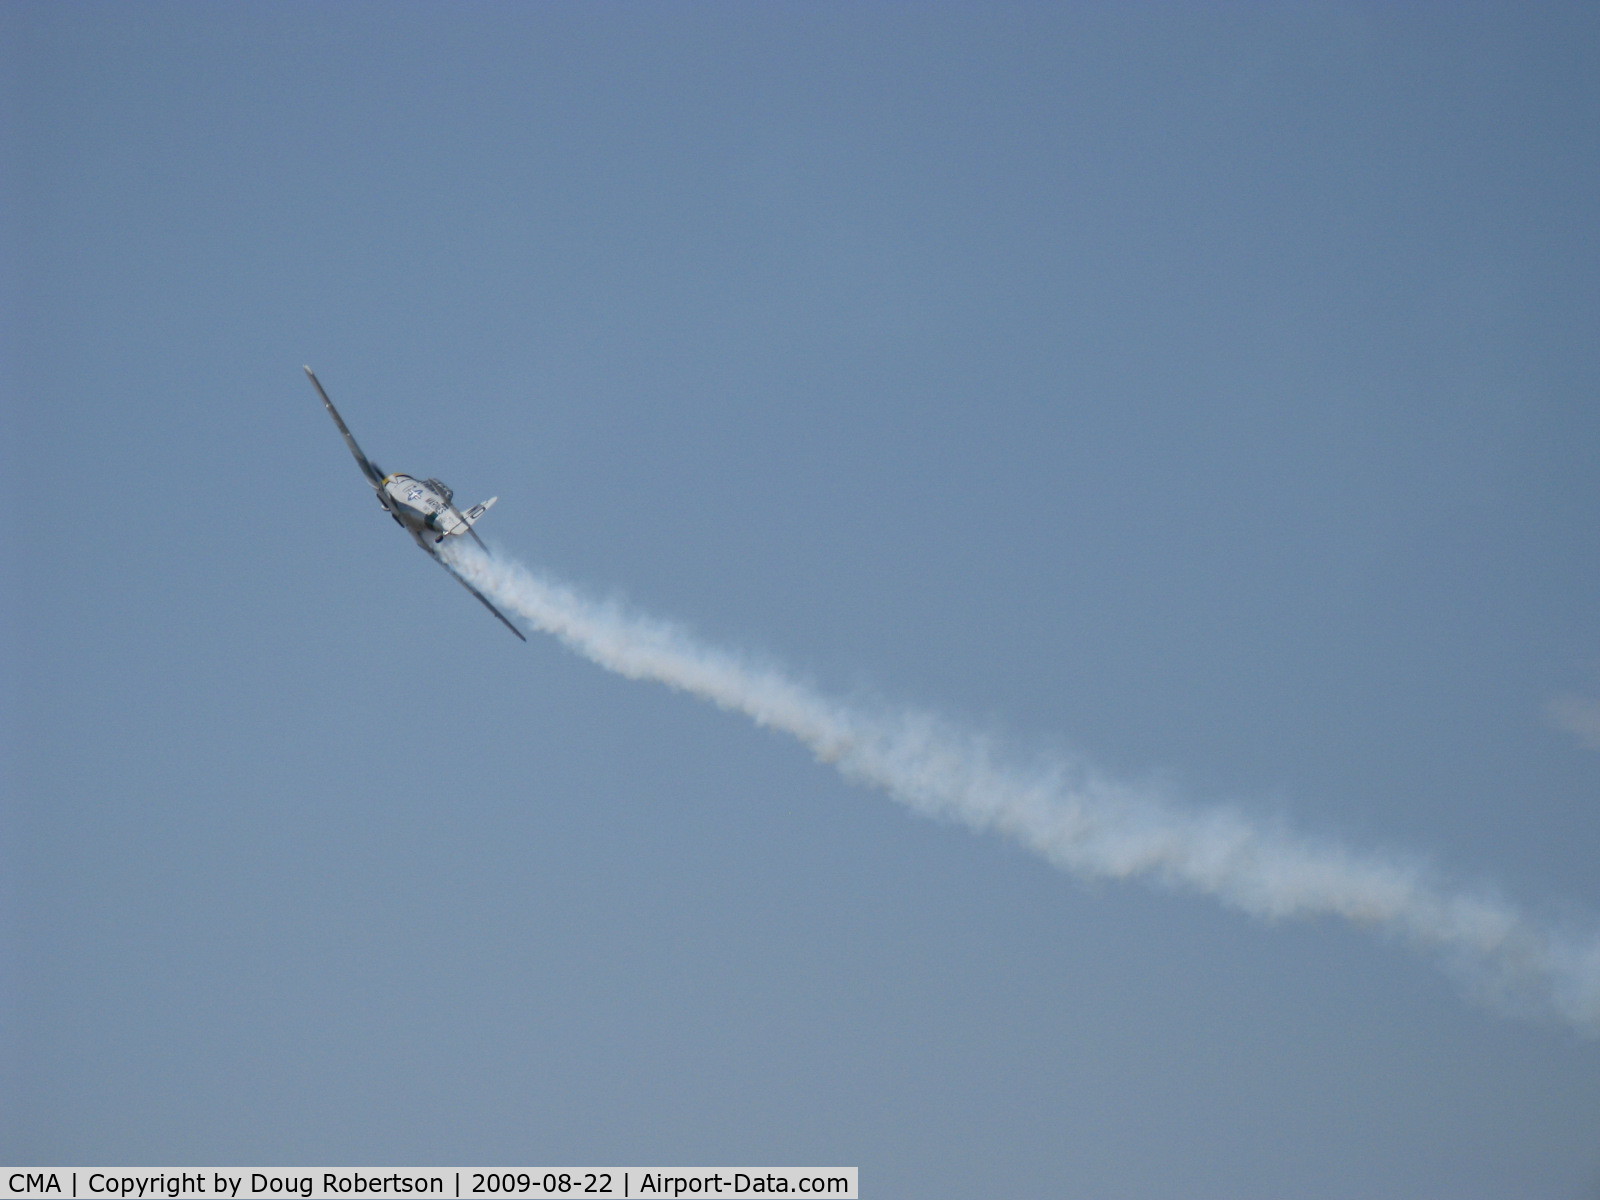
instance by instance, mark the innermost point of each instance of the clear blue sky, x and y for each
(1209, 390)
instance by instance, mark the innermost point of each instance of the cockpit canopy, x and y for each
(449, 496)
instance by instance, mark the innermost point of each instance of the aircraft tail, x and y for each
(453, 522)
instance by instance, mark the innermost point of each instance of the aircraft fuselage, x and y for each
(416, 505)
(426, 508)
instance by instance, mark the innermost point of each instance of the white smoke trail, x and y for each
(1076, 819)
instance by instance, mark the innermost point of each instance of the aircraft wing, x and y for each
(368, 467)
(482, 599)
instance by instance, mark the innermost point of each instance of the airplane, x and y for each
(424, 508)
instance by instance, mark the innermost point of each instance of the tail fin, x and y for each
(471, 517)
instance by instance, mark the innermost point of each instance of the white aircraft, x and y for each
(424, 508)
